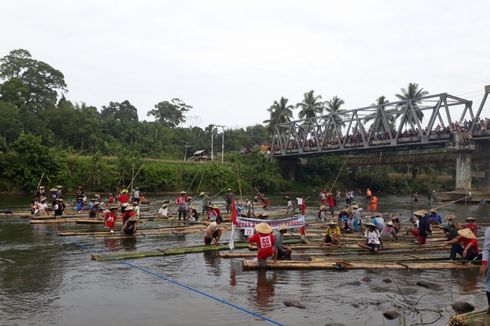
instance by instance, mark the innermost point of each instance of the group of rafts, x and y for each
(328, 245)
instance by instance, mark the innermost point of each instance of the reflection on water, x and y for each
(45, 279)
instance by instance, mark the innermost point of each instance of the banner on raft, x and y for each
(291, 222)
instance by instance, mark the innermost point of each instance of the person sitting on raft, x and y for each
(471, 225)
(466, 245)
(163, 211)
(450, 228)
(213, 232)
(110, 218)
(395, 218)
(59, 207)
(332, 234)
(281, 250)
(373, 239)
(129, 227)
(94, 210)
(322, 214)
(194, 214)
(389, 232)
(213, 213)
(265, 241)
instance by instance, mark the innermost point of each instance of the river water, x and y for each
(49, 280)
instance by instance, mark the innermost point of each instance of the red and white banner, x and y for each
(291, 222)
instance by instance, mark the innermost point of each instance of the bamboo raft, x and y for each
(249, 264)
(474, 318)
(68, 220)
(174, 251)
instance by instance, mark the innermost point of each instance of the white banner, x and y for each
(291, 222)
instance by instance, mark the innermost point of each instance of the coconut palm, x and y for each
(333, 108)
(311, 106)
(280, 112)
(390, 114)
(413, 93)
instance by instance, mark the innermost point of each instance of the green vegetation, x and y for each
(42, 132)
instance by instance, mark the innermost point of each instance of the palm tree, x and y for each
(280, 112)
(311, 106)
(413, 93)
(333, 108)
(390, 114)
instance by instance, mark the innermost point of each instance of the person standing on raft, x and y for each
(110, 218)
(265, 241)
(484, 267)
(182, 202)
(129, 227)
(229, 198)
(281, 250)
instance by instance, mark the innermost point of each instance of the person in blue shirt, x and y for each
(434, 217)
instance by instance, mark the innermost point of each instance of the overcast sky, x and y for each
(231, 59)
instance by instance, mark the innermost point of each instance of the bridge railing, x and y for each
(433, 119)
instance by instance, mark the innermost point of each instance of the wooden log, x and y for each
(249, 264)
(146, 230)
(474, 318)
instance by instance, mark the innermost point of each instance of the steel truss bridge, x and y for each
(433, 121)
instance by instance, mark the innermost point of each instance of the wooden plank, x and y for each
(474, 318)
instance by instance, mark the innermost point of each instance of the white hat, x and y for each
(263, 228)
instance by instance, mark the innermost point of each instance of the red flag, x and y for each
(234, 212)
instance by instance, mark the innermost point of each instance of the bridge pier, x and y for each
(463, 171)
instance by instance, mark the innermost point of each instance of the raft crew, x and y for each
(331, 204)
(59, 207)
(194, 215)
(471, 225)
(450, 228)
(323, 197)
(110, 218)
(127, 214)
(434, 217)
(373, 239)
(123, 199)
(229, 197)
(265, 241)
(281, 250)
(163, 211)
(389, 232)
(356, 217)
(204, 201)
(484, 265)
(213, 232)
(182, 202)
(322, 216)
(290, 207)
(369, 195)
(332, 234)
(80, 198)
(129, 227)
(213, 213)
(136, 195)
(466, 245)
(94, 210)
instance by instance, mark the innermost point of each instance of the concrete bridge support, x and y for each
(463, 171)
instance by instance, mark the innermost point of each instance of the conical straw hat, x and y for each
(467, 233)
(263, 228)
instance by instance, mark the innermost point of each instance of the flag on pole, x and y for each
(234, 213)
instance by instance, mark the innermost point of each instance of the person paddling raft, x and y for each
(265, 241)
(373, 239)
(466, 245)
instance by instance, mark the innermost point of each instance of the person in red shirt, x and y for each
(471, 225)
(331, 204)
(110, 199)
(110, 218)
(466, 244)
(128, 213)
(265, 241)
(123, 199)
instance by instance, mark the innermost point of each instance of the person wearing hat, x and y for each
(123, 197)
(389, 232)
(80, 198)
(322, 214)
(110, 217)
(94, 210)
(373, 238)
(281, 250)
(204, 201)
(59, 207)
(265, 241)
(229, 197)
(290, 208)
(194, 214)
(163, 211)
(127, 214)
(450, 228)
(130, 225)
(465, 244)
(471, 225)
(213, 212)
(423, 229)
(356, 217)
(213, 232)
(332, 234)
(182, 202)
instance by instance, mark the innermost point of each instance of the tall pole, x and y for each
(212, 144)
(223, 145)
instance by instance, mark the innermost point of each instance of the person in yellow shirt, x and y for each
(332, 234)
